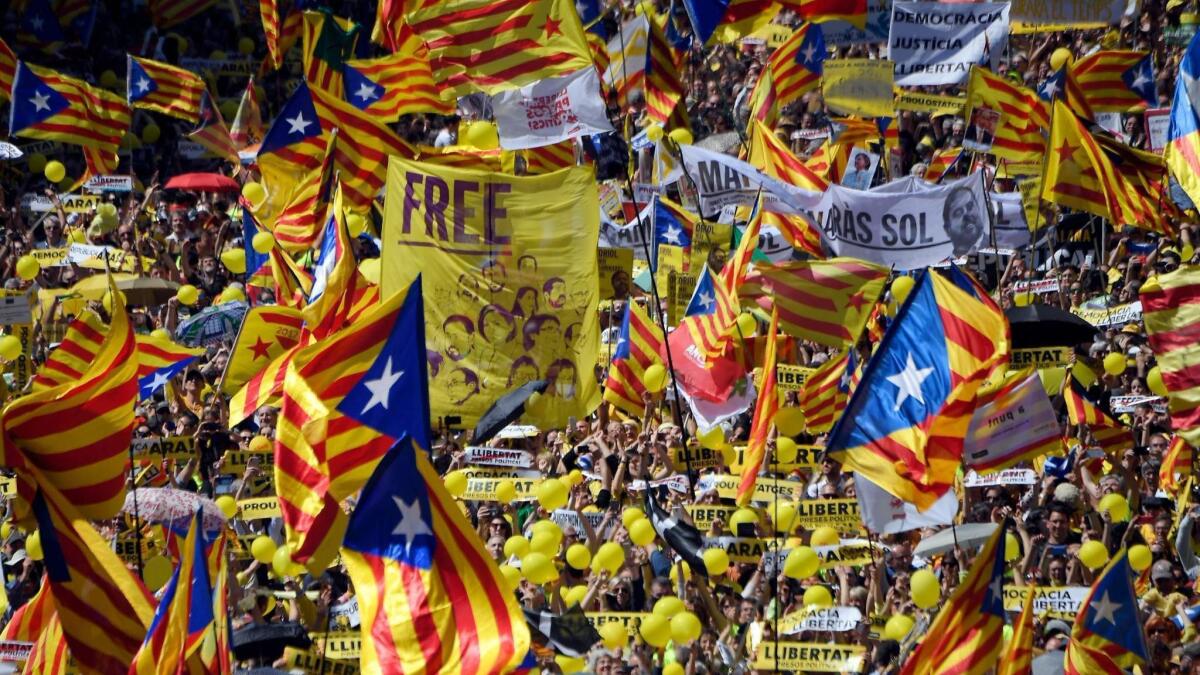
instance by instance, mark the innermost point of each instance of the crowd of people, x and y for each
(608, 459)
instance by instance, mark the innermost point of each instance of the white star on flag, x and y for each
(673, 234)
(381, 388)
(705, 300)
(1051, 88)
(411, 525)
(297, 124)
(37, 23)
(143, 85)
(908, 382)
(808, 53)
(366, 92)
(40, 101)
(160, 378)
(1105, 610)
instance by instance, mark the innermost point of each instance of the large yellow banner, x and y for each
(510, 280)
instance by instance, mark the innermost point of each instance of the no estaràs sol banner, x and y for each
(510, 279)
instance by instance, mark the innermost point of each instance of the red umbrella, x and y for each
(203, 182)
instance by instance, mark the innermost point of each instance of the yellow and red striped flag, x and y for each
(74, 354)
(75, 435)
(771, 155)
(391, 86)
(1079, 174)
(966, 635)
(824, 301)
(212, 133)
(1176, 465)
(826, 391)
(49, 653)
(1107, 432)
(159, 360)
(279, 39)
(491, 46)
(797, 64)
(1023, 116)
(31, 618)
(819, 11)
(8, 69)
(328, 42)
(392, 30)
(1080, 659)
(339, 293)
(1018, 657)
(942, 162)
(247, 126)
(549, 158)
(163, 88)
(266, 332)
(765, 409)
(664, 87)
(167, 13)
(1171, 312)
(1111, 81)
(637, 349)
(104, 609)
(262, 389)
(743, 17)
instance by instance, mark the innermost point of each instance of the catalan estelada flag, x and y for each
(160, 360)
(1108, 613)
(247, 128)
(1107, 432)
(75, 435)
(1111, 81)
(797, 64)
(430, 597)
(825, 301)
(210, 131)
(342, 394)
(818, 11)
(1182, 153)
(824, 394)
(905, 424)
(267, 331)
(637, 349)
(489, 46)
(944, 162)
(1079, 173)
(339, 293)
(1023, 116)
(967, 633)
(664, 87)
(168, 13)
(163, 88)
(765, 408)
(8, 69)
(1018, 655)
(1171, 312)
(770, 155)
(328, 42)
(104, 609)
(50, 106)
(31, 618)
(673, 224)
(1176, 465)
(709, 319)
(391, 86)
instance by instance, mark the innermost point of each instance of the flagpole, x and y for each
(137, 520)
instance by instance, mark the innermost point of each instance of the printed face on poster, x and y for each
(862, 169)
(981, 132)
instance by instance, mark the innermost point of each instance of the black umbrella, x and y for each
(505, 410)
(1045, 326)
(266, 641)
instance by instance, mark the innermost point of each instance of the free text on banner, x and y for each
(509, 272)
(858, 87)
(938, 42)
(1050, 16)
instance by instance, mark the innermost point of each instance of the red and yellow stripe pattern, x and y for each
(1171, 312)
(765, 409)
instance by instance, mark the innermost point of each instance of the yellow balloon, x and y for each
(713, 438)
(1154, 380)
(609, 557)
(231, 294)
(742, 516)
(157, 572)
(356, 224)
(512, 576)
(28, 267)
(818, 596)
(543, 542)
(107, 300)
(681, 136)
(482, 135)
(685, 627)
(505, 491)
(801, 563)
(790, 421)
(578, 556)
(1140, 557)
(456, 483)
(254, 193)
(55, 171)
(654, 133)
(614, 635)
(246, 46)
(784, 516)
(897, 627)
(716, 561)
(655, 378)
(263, 548)
(1114, 364)
(370, 270)
(642, 532)
(1052, 379)
(516, 546)
(229, 109)
(825, 536)
(573, 595)
(281, 562)
(668, 606)
(552, 494)
(234, 260)
(108, 79)
(10, 347)
(673, 668)
(901, 287)
(785, 450)
(260, 444)
(5, 529)
(1023, 299)
(655, 630)
(548, 527)
(746, 323)
(37, 163)
(1012, 547)
(188, 294)
(687, 572)
(33, 545)
(924, 588)
(1093, 554)
(538, 568)
(1115, 505)
(262, 242)
(1186, 253)
(217, 55)
(1060, 57)
(151, 133)
(227, 505)
(631, 515)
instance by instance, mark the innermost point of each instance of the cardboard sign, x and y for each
(840, 514)
(1110, 316)
(1060, 600)
(1158, 121)
(175, 447)
(930, 103)
(851, 552)
(498, 457)
(616, 272)
(814, 657)
(11, 650)
(696, 458)
(807, 457)
(741, 549)
(15, 309)
(1127, 404)
(259, 507)
(767, 488)
(1005, 477)
(482, 483)
(705, 515)
(791, 378)
(109, 184)
(1041, 357)
(630, 620)
(831, 619)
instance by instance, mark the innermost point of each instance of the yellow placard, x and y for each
(1052, 16)
(616, 272)
(791, 378)
(312, 662)
(1040, 357)
(704, 515)
(710, 243)
(859, 87)
(1031, 201)
(482, 483)
(813, 657)
(840, 514)
(773, 34)
(50, 257)
(630, 620)
(742, 549)
(679, 293)
(936, 104)
(175, 447)
(767, 488)
(696, 458)
(510, 280)
(8, 486)
(807, 457)
(259, 507)
(236, 460)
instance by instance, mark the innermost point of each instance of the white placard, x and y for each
(937, 42)
(551, 111)
(1005, 477)
(484, 456)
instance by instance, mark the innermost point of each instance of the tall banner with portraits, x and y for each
(510, 277)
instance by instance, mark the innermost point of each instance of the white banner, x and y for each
(550, 111)
(109, 184)
(1037, 287)
(938, 42)
(840, 33)
(883, 513)
(520, 459)
(929, 225)
(1127, 404)
(1004, 428)
(1005, 477)
(833, 619)
(1008, 220)
(723, 180)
